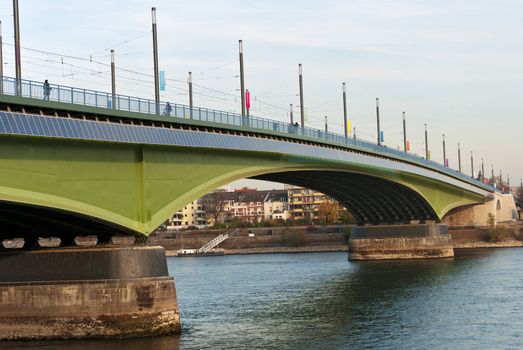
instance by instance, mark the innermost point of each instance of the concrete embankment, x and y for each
(274, 250)
(462, 238)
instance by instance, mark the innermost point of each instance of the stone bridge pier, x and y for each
(79, 292)
(413, 241)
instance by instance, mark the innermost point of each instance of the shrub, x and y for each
(519, 234)
(495, 233)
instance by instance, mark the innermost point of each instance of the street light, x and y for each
(426, 143)
(345, 110)
(378, 119)
(302, 107)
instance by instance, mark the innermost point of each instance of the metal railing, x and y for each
(86, 97)
(212, 243)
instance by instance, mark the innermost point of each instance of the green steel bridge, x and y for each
(80, 163)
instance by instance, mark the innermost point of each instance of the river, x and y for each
(323, 301)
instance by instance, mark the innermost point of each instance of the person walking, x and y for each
(47, 90)
(168, 109)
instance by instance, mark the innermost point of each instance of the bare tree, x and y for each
(213, 205)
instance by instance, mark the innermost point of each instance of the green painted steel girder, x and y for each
(138, 187)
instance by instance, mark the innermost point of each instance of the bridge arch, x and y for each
(369, 198)
(133, 188)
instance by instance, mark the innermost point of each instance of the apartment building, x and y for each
(304, 203)
(190, 215)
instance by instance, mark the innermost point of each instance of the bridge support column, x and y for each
(86, 292)
(400, 242)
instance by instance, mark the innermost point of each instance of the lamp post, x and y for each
(242, 77)
(444, 152)
(459, 157)
(302, 107)
(345, 110)
(189, 81)
(378, 119)
(18, 64)
(326, 127)
(291, 112)
(1, 62)
(472, 164)
(404, 133)
(113, 81)
(155, 58)
(426, 143)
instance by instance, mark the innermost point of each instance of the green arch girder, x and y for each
(139, 186)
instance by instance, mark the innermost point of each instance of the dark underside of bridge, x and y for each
(31, 222)
(371, 200)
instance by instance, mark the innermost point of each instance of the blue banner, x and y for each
(382, 136)
(162, 80)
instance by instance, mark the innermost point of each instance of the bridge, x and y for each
(80, 164)
(76, 165)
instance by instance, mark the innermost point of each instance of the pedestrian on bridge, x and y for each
(47, 90)
(168, 109)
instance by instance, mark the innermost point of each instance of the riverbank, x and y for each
(273, 250)
(278, 242)
(345, 247)
(482, 244)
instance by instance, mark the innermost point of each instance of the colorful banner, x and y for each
(248, 99)
(349, 127)
(382, 136)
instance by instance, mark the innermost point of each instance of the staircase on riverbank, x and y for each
(212, 243)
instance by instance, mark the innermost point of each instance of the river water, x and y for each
(323, 301)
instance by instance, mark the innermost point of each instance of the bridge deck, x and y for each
(139, 108)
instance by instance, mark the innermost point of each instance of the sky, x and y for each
(453, 65)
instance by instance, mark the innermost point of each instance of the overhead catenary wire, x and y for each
(228, 99)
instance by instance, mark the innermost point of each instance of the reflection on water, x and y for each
(320, 300)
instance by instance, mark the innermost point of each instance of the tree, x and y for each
(213, 204)
(328, 212)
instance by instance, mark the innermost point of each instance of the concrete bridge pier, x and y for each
(77, 292)
(414, 241)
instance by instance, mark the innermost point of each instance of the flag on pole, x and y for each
(408, 146)
(248, 99)
(382, 136)
(349, 128)
(162, 80)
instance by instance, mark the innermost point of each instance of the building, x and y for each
(276, 205)
(251, 205)
(190, 215)
(246, 205)
(304, 203)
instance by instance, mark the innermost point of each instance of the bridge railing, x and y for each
(86, 97)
